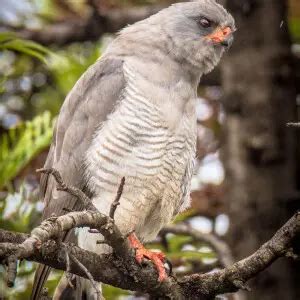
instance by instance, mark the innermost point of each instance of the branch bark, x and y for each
(233, 278)
(120, 268)
(124, 272)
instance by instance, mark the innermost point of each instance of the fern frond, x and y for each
(22, 143)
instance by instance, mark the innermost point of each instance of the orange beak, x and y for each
(221, 35)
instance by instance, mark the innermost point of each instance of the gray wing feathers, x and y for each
(88, 104)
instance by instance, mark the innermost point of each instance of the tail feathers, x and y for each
(82, 289)
(64, 291)
(40, 278)
(42, 272)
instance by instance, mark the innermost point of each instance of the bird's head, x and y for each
(198, 31)
(194, 33)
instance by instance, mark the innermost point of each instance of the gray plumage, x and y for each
(132, 114)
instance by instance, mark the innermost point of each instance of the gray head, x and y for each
(195, 33)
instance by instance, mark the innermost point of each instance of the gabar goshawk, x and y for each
(132, 114)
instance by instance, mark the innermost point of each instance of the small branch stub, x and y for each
(116, 202)
(11, 270)
(295, 125)
(62, 186)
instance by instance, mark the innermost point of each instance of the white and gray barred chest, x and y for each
(156, 161)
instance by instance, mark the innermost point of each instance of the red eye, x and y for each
(205, 23)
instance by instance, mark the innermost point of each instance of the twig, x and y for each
(295, 125)
(62, 186)
(88, 274)
(68, 272)
(11, 270)
(219, 246)
(234, 277)
(116, 202)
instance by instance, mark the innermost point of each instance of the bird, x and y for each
(132, 114)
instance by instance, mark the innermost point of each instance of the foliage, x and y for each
(68, 64)
(9, 41)
(19, 211)
(46, 84)
(20, 144)
(294, 26)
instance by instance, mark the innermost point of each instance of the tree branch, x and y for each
(114, 270)
(219, 246)
(120, 268)
(90, 28)
(233, 278)
(293, 124)
(106, 268)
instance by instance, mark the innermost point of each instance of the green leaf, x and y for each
(9, 41)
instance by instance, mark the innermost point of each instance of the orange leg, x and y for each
(156, 257)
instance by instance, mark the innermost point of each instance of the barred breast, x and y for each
(156, 162)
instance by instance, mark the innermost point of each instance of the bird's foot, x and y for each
(158, 258)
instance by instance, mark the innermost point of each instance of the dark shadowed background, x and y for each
(247, 176)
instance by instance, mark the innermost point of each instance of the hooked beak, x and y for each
(222, 36)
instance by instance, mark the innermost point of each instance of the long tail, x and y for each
(82, 289)
(41, 274)
(40, 277)
(63, 290)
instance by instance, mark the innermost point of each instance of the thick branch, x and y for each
(112, 270)
(106, 268)
(234, 277)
